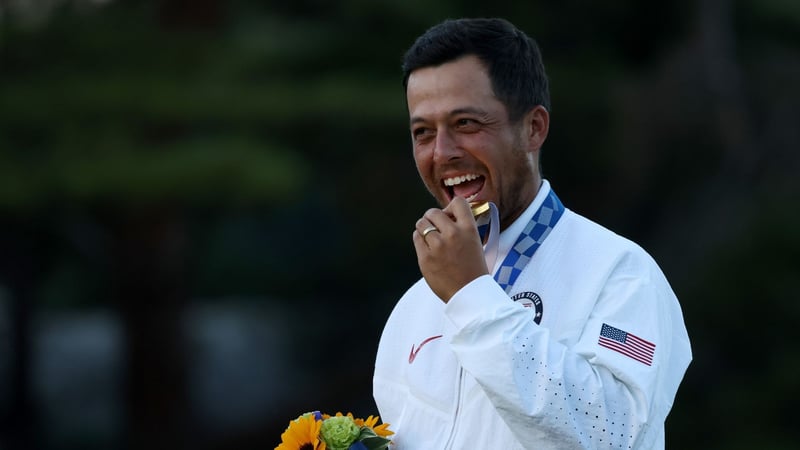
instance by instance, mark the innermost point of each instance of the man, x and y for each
(574, 339)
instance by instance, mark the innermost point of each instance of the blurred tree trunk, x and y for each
(191, 14)
(698, 91)
(21, 265)
(721, 207)
(148, 272)
(724, 78)
(150, 268)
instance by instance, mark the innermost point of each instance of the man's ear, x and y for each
(537, 125)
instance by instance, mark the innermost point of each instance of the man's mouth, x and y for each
(467, 186)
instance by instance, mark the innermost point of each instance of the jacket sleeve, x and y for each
(576, 393)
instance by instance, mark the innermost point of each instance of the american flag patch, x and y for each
(627, 344)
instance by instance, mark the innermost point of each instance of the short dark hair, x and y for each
(511, 57)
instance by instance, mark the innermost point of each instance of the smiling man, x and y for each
(569, 336)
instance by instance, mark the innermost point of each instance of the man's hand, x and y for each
(449, 255)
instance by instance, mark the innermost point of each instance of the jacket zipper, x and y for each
(459, 393)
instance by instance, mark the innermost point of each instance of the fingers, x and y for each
(426, 228)
(457, 212)
(436, 223)
(460, 211)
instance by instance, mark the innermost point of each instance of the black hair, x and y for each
(511, 57)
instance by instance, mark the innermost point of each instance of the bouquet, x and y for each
(317, 431)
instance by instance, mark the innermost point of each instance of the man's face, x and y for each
(463, 142)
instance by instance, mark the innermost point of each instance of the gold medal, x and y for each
(479, 208)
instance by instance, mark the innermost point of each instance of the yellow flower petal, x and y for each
(383, 430)
(371, 421)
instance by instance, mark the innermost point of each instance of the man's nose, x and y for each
(446, 148)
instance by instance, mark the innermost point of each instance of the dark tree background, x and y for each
(205, 206)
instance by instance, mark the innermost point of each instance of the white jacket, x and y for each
(480, 373)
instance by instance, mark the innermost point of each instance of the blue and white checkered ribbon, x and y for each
(535, 232)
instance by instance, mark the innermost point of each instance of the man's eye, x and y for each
(420, 132)
(466, 123)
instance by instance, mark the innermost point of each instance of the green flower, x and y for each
(339, 432)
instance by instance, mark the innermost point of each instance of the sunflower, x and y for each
(302, 434)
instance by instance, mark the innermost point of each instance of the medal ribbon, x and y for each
(535, 232)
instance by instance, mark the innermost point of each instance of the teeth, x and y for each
(472, 197)
(458, 180)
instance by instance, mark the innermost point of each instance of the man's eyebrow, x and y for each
(455, 112)
(469, 110)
